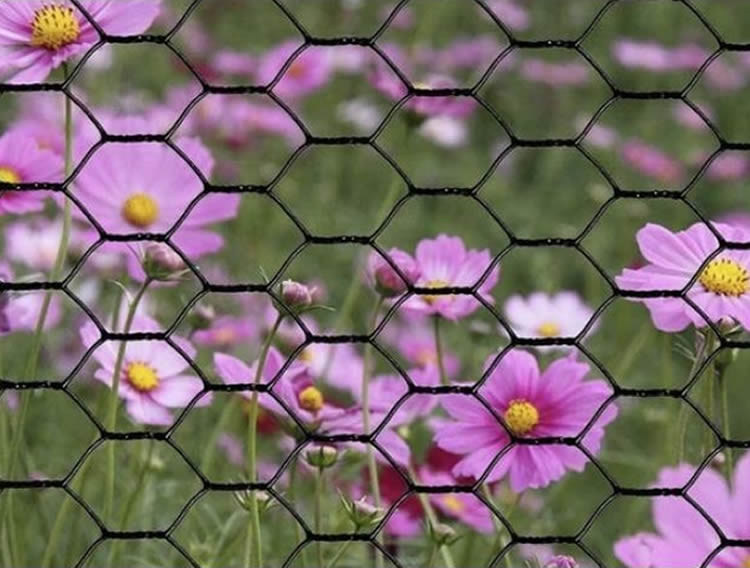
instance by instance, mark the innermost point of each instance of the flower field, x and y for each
(337, 283)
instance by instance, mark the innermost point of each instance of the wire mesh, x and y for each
(271, 288)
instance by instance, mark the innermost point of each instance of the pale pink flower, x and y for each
(542, 315)
(652, 162)
(309, 71)
(155, 377)
(22, 161)
(464, 507)
(37, 36)
(568, 73)
(683, 537)
(722, 289)
(227, 331)
(153, 196)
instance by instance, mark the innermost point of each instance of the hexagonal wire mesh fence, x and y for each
(412, 92)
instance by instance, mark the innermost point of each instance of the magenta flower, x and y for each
(36, 36)
(309, 71)
(153, 196)
(652, 162)
(154, 376)
(384, 278)
(722, 289)
(683, 537)
(464, 507)
(294, 387)
(415, 341)
(542, 315)
(511, 14)
(387, 390)
(22, 161)
(227, 331)
(444, 262)
(557, 402)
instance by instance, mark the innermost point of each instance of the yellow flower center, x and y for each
(54, 27)
(140, 210)
(142, 377)
(425, 357)
(453, 503)
(297, 69)
(311, 399)
(521, 417)
(549, 329)
(9, 176)
(435, 284)
(726, 277)
(225, 335)
(746, 563)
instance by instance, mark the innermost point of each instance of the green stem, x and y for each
(682, 419)
(355, 287)
(372, 466)
(499, 529)
(431, 517)
(127, 511)
(319, 513)
(36, 345)
(292, 495)
(253, 550)
(433, 556)
(339, 553)
(114, 398)
(439, 350)
(726, 426)
(221, 426)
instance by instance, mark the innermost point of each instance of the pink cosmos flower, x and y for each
(729, 166)
(309, 71)
(464, 507)
(22, 161)
(555, 73)
(295, 387)
(722, 289)
(36, 36)
(445, 131)
(153, 196)
(511, 14)
(41, 115)
(384, 278)
(541, 315)
(657, 57)
(227, 331)
(154, 376)
(415, 341)
(557, 402)
(35, 243)
(652, 162)
(445, 262)
(387, 390)
(683, 537)
(351, 422)
(468, 52)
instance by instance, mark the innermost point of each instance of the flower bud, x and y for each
(362, 514)
(296, 295)
(161, 262)
(384, 277)
(202, 316)
(321, 457)
(561, 562)
(244, 499)
(442, 534)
